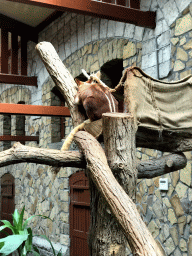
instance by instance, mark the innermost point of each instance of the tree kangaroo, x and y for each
(96, 99)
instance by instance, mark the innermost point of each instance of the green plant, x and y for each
(21, 239)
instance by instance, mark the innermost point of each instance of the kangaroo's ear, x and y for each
(78, 82)
(90, 80)
(98, 74)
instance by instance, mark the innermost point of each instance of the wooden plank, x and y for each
(16, 79)
(99, 9)
(18, 138)
(4, 50)
(14, 54)
(23, 56)
(33, 110)
(135, 4)
(19, 28)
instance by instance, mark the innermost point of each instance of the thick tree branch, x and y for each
(20, 153)
(62, 78)
(157, 167)
(122, 207)
(146, 169)
(166, 141)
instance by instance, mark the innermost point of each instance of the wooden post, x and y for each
(119, 203)
(120, 149)
(119, 140)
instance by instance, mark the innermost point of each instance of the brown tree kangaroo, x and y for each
(96, 99)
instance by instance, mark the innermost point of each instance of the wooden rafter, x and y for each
(16, 79)
(19, 138)
(18, 28)
(33, 110)
(99, 9)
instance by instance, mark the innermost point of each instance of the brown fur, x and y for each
(95, 99)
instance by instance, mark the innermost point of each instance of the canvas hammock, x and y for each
(157, 104)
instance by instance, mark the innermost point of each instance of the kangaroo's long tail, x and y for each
(70, 137)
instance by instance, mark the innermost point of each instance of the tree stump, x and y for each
(120, 149)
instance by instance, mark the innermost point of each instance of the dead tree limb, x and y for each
(121, 206)
(157, 167)
(167, 141)
(62, 78)
(20, 153)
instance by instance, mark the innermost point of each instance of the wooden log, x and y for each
(157, 167)
(120, 204)
(120, 149)
(167, 141)
(62, 78)
(146, 169)
(20, 154)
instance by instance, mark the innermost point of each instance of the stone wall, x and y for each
(92, 44)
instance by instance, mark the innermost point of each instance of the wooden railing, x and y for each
(13, 63)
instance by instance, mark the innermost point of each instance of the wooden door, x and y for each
(79, 214)
(7, 198)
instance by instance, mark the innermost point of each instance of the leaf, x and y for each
(16, 216)
(35, 251)
(28, 242)
(7, 225)
(59, 253)
(1, 244)
(12, 243)
(49, 242)
(20, 222)
(26, 222)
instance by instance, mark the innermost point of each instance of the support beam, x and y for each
(19, 138)
(14, 54)
(4, 50)
(18, 28)
(16, 79)
(33, 110)
(99, 9)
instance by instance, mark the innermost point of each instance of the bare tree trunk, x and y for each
(118, 130)
(121, 206)
(62, 78)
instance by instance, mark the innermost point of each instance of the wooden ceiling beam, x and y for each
(19, 138)
(17, 79)
(33, 110)
(99, 9)
(18, 28)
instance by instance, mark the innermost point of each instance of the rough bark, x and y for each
(117, 131)
(20, 153)
(166, 164)
(62, 78)
(166, 141)
(120, 204)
